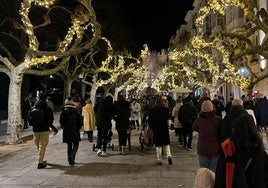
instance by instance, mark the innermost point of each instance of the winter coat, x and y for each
(122, 115)
(104, 111)
(89, 117)
(226, 129)
(208, 129)
(71, 123)
(246, 174)
(158, 122)
(48, 118)
(187, 115)
(219, 107)
(174, 114)
(261, 112)
(25, 108)
(135, 111)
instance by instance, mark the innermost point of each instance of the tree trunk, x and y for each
(93, 91)
(14, 126)
(116, 93)
(67, 88)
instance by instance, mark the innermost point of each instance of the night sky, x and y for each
(154, 22)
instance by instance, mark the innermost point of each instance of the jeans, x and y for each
(72, 149)
(208, 162)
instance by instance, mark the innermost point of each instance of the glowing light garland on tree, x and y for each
(119, 67)
(199, 44)
(76, 30)
(166, 79)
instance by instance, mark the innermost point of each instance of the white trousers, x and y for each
(159, 152)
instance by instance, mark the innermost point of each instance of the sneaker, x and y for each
(104, 153)
(169, 160)
(41, 165)
(158, 162)
(99, 152)
(189, 149)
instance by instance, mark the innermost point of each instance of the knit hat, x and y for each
(204, 178)
(69, 101)
(237, 102)
(207, 106)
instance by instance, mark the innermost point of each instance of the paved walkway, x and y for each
(136, 169)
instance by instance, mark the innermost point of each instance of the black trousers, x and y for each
(102, 138)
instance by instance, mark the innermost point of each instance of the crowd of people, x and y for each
(229, 143)
(230, 148)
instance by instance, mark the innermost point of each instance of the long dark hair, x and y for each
(246, 136)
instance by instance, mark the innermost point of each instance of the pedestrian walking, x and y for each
(104, 111)
(135, 113)
(228, 105)
(243, 161)
(208, 127)
(89, 119)
(176, 122)
(187, 115)
(50, 103)
(78, 103)
(236, 110)
(219, 107)
(25, 108)
(122, 124)
(41, 118)
(158, 122)
(261, 113)
(71, 123)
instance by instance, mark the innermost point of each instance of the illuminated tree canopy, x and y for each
(233, 49)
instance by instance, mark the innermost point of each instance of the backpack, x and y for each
(36, 117)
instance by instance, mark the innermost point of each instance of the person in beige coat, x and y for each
(89, 119)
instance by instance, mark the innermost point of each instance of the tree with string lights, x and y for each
(38, 37)
(235, 49)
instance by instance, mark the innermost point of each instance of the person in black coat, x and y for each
(243, 161)
(187, 115)
(104, 111)
(122, 124)
(235, 111)
(71, 123)
(158, 122)
(25, 108)
(261, 113)
(41, 127)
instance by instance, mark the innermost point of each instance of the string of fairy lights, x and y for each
(75, 31)
(199, 45)
(197, 49)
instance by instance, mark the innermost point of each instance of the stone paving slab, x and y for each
(18, 169)
(136, 169)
